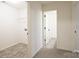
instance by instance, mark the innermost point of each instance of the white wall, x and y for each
(64, 23)
(36, 26)
(13, 21)
(8, 26)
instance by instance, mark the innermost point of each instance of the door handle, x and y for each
(75, 31)
(25, 29)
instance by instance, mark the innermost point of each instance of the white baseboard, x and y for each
(3, 48)
(36, 52)
(76, 51)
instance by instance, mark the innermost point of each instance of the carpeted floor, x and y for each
(55, 53)
(16, 51)
(21, 51)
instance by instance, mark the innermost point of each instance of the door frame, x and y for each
(43, 31)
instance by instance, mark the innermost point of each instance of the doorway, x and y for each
(49, 28)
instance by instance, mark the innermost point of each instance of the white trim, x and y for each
(76, 51)
(36, 52)
(8, 46)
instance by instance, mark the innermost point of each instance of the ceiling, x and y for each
(19, 4)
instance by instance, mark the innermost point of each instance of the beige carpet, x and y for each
(21, 51)
(55, 53)
(16, 51)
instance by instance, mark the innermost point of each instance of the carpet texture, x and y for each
(16, 51)
(21, 51)
(55, 53)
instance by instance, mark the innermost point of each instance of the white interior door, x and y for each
(76, 21)
(22, 22)
(50, 28)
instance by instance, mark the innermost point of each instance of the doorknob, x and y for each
(75, 31)
(25, 29)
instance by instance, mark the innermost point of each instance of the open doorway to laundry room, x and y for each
(49, 28)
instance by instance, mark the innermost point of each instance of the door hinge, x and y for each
(44, 27)
(44, 15)
(44, 39)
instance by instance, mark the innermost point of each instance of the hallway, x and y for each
(44, 29)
